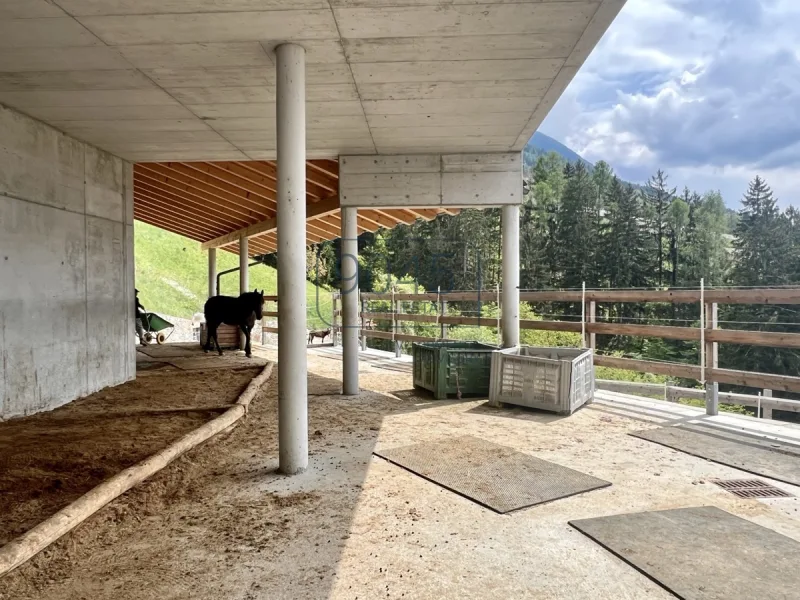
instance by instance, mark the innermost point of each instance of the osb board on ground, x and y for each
(702, 553)
(492, 475)
(759, 455)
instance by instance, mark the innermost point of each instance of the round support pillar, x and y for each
(244, 260)
(349, 291)
(244, 277)
(212, 272)
(510, 301)
(292, 361)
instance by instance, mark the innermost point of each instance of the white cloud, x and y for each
(708, 90)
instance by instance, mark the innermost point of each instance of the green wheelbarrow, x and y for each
(155, 328)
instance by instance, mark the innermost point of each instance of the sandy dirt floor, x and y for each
(221, 523)
(50, 459)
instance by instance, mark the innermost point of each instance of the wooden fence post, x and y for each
(592, 320)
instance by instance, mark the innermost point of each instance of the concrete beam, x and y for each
(422, 180)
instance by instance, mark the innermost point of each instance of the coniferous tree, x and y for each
(707, 247)
(626, 245)
(538, 242)
(575, 229)
(659, 197)
(762, 250)
(678, 221)
(762, 240)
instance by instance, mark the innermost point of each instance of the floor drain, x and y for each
(751, 488)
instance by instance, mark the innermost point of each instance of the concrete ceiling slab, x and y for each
(152, 7)
(129, 79)
(180, 56)
(135, 125)
(90, 58)
(195, 79)
(459, 19)
(467, 47)
(87, 98)
(456, 70)
(45, 33)
(428, 90)
(337, 92)
(108, 113)
(212, 27)
(29, 9)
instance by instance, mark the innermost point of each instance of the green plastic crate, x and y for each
(453, 368)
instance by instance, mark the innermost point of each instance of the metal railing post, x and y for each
(398, 345)
(363, 324)
(584, 341)
(443, 326)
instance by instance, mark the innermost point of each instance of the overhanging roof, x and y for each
(216, 202)
(185, 80)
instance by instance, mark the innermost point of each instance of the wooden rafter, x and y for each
(191, 218)
(228, 174)
(188, 201)
(215, 203)
(179, 177)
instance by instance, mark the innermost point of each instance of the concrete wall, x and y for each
(458, 180)
(66, 267)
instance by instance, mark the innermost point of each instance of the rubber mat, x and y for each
(495, 476)
(702, 553)
(753, 454)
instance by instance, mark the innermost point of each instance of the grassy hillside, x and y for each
(172, 276)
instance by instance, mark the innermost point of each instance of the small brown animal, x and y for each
(323, 333)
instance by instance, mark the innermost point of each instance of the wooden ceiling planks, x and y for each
(207, 200)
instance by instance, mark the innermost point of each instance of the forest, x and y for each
(581, 224)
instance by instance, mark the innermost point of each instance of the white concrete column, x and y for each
(244, 277)
(510, 302)
(349, 302)
(244, 260)
(212, 272)
(292, 336)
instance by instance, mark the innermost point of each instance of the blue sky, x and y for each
(708, 90)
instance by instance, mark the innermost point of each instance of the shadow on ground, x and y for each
(220, 521)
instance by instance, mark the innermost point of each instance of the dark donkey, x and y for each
(243, 312)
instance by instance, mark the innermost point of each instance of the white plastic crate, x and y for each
(554, 379)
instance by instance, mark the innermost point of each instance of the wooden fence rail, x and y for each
(710, 335)
(718, 296)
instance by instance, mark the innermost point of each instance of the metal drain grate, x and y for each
(751, 488)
